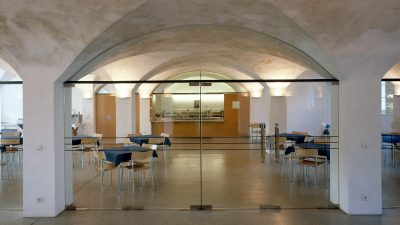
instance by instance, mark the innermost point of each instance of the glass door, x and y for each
(261, 149)
(108, 129)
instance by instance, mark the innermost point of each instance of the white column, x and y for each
(145, 124)
(43, 171)
(133, 113)
(88, 119)
(259, 112)
(69, 173)
(278, 113)
(124, 116)
(360, 150)
(334, 152)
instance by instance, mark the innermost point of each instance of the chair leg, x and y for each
(110, 178)
(152, 177)
(82, 159)
(93, 172)
(393, 158)
(142, 177)
(326, 173)
(133, 180)
(102, 181)
(315, 177)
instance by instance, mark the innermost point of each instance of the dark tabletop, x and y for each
(76, 140)
(124, 154)
(298, 138)
(323, 149)
(391, 138)
(144, 139)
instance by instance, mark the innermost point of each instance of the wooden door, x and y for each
(106, 115)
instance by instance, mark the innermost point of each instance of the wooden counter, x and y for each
(234, 124)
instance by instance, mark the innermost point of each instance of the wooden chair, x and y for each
(140, 162)
(300, 132)
(101, 164)
(11, 134)
(111, 146)
(126, 142)
(135, 135)
(13, 149)
(255, 131)
(160, 142)
(87, 145)
(7, 156)
(310, 158)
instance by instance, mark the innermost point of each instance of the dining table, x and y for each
(391, 141)
(323, 148)
(3, 147)
(298, 138)
(144, 139)
(118, 155)
(77, 140)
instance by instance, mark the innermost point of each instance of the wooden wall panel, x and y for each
(244, 114)
(106, 115)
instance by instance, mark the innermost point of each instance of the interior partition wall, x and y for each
(218, 144)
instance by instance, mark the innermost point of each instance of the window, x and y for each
(387, 91)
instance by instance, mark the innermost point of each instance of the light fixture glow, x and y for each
(396, 87)
(123, 90)
(86, 90)
(278, 88)
(256, 93)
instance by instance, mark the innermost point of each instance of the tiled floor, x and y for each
(234, 181)
(221, 217)
(232, 177)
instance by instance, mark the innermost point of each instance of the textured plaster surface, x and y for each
(53, 33)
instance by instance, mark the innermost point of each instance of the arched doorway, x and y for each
(215, 158)
(11, 137)
(390, 109)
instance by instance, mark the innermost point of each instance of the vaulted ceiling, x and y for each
(143, 39)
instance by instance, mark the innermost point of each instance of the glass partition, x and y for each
(133, 151)
(11, 145)
(213, 143)
(272, 149)
(390, 127)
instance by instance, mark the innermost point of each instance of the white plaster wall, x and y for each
(259, 109)
(86, 108)
(11, 103)
(145, 124)
(278, 113)
(123, 117)
(88, 118)
(308, 106)
(77, 100)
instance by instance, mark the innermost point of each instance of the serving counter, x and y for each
(234, 123)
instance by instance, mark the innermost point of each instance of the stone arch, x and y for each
(152, 19)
